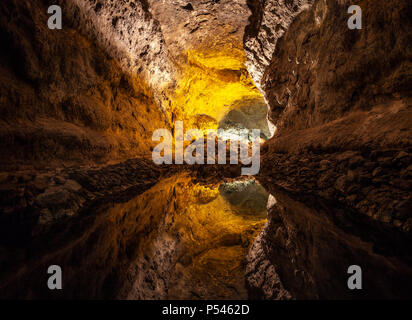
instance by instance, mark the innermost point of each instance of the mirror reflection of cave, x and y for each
(80, 188)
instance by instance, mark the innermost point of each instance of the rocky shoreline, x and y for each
(38, 199)
(376, 183)
(34, 200)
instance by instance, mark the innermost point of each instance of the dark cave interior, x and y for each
(79, 188)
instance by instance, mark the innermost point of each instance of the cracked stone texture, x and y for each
(193, 24)
(128, 32)
(66, 95)
(267, 24)
(336, 93)
(376, 185)
(322, 71)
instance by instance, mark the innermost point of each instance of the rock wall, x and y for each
(341, 96)
(96, 90)
(267, 24)
(321, 70)
(191, 25)
(73, 95)
(179, 239)
(204, 39)
(127, 31)
(341, 102)
(376, 184)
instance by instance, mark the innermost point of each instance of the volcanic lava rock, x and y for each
(267, 24)
(75, 95)
(321, 70)
(339, 99)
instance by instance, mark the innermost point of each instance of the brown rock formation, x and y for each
(341, 96)
(267, 24)
(79, 106)
(126, 31)
(64, 98)
(188, 25)
(321, 70)
(181, 239)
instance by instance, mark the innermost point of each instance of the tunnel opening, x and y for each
(206, 47)
(246, 114)
(217, 92)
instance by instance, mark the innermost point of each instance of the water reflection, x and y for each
(306, 247)
(180, 239)
(188, 240)
(245, 197)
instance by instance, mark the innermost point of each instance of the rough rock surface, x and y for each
(342, 96)
(73, 101)
(63, 97)
(179, 240)
(268, 22)
(205, 41)
(35, 200)
(127, 31)
(188, 25)
(375, 183)
(97, 89)
(321, 70)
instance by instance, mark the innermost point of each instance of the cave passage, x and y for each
(80, 187)
(216, 91)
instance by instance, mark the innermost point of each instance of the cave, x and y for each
(81, 190)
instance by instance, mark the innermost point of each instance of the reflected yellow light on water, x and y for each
(208, 235)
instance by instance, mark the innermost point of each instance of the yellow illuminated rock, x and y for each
(212, 81)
